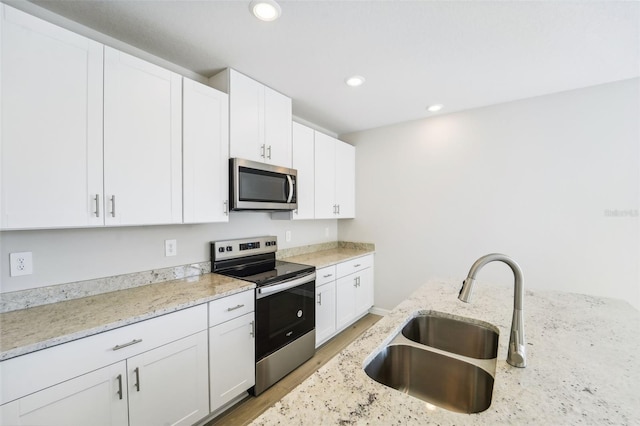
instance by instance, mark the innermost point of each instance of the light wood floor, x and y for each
(249, 409)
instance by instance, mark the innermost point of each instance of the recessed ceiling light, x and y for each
(355, 81)
(265, 10)
(434, 108)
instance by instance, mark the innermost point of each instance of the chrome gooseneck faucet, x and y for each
(517, 354)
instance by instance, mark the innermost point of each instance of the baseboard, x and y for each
(379, 311)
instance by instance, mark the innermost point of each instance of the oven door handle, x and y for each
(276, 288)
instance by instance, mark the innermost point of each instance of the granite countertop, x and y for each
(40, 327)
(324, 258)
(583, 365)
(27, 330)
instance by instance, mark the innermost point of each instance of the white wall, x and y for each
(68, 255)
(533, 179)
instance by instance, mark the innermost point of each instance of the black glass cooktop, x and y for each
(267, 272)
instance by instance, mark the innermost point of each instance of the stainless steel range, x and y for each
(285, 304)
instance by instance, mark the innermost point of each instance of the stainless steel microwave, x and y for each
(259, 186)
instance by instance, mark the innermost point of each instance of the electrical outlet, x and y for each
(287, 236)
(21, 263)
(170, 247)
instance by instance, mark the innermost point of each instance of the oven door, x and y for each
(284, 312)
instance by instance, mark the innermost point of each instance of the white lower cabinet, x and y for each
(149, 373)
(353, 295)
(96, 398)
(325, 312)
(169, 385)
(341, 301)
(231, 347)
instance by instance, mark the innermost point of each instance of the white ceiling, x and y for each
(412, 53)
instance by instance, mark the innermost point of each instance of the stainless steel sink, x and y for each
(438, 379)
(445, 360)
(452, 335)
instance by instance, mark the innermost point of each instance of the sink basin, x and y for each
(438, 379)
(452, 335)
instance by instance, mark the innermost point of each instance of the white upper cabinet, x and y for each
(325, 176)
(334, 178)
(345, 180)
(142, 142)
(259, 119)
(303, 154)
(205, 153)
(50, 125)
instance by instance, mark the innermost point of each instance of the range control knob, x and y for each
(229, 248)
(220, 249)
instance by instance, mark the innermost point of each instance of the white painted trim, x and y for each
(379, 311)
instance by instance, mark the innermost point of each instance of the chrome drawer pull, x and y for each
(327, 276)
(234, 308)
(124, 345)
(356, 265)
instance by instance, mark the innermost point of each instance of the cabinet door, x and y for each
(205, 153)
(142, 142)
(50, 125)
(325, 181)
(168, 385)
(246, 112)
(277, 128)
(303, 154)
(346, 289)
(232, 359)
(345, 180)
(364, 291)
(325, 312)
(96, 398)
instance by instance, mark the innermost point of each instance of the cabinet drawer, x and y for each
(325, 275)
(231, 307)
(354, 265)
(29, 373)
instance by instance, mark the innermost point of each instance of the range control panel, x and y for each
(231, 249)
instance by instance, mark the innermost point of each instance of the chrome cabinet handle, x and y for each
(119, 386)
(113, 206)
(137, 373)
(320, 299)
(262, 150)
(234, 308)
(97, 199)
(338, 208)
(357, 282)
(327, 276)
(357, 265)
(253, 329)
(124, 345)
(269, 152)
(226, 207)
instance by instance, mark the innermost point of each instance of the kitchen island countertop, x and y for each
(583, 366)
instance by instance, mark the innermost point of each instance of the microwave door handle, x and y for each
(290, 188)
